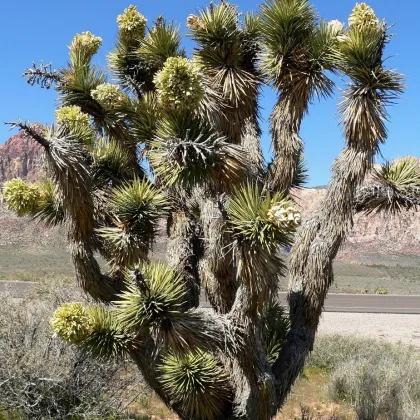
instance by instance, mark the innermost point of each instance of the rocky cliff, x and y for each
(374, 234)
(20, 157)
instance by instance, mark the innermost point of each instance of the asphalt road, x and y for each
(387, 304)
(335, 302)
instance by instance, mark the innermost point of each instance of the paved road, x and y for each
(336, 302)
(389, 304)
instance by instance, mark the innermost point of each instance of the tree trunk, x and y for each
(287, 144)
(316, 246)
(184, 251)
(255, 396)
(216, 269)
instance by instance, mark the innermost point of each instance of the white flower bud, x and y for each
(107, 95)
(131, 23)
(179, 83)
(86, 43)
(363, 17)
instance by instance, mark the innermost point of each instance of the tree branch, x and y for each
(217, 272)
(380, 197)
(184, 252)
(43, 75)
(31, 130)
(288, 146)
(316, 246)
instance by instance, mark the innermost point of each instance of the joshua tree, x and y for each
(195, 123)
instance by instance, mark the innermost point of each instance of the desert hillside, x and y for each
(20, 157)
(375, 234)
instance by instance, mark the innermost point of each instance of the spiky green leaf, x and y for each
(154, 294)
(106, 339)
(276, 326)
(197, 382)
(162, 42)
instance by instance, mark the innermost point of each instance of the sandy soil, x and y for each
(391, 327)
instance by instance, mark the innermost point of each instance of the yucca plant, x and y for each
(296, 59)
(198, 382)
(195, 124)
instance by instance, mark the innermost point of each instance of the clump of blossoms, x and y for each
(86, 43)
(284, 215)
(363, 17)
(131, 23)
(107, 94)
(195, 23)
(336, 26)
(71, 322)
(21, 197)
(179, 83)
(71, 116)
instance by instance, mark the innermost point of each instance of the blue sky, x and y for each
(33, 31)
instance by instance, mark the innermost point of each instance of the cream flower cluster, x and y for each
(107, 94)
(336, 26)
(363, 17)
(132, 23)
(71, 322)
(20, 196)
(179, 83)
(284, 215)
(71, 115)
(86, 42)
(195, 23)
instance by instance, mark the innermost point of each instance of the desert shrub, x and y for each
(386, 388)
(380, 380)
(42, 378)
(332, 350)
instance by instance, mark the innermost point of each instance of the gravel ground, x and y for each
(391, 327)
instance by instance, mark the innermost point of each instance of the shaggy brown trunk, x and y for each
(89, 276)
(255, 396)
(316, 246)
(252, 145)
(184, 251)
(216, 269)
(287, 144)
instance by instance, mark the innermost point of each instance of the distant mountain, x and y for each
(20, 157)
(375, 234)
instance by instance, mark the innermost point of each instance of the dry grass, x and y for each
(399, 274)
(43, 378)
(309, 400)
(149, 406)
(34, 264)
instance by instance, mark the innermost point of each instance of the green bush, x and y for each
(332, 350)
(380, 380)
(386, 388)
(42, 378)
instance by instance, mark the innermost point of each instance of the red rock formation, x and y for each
(20, 157)
(376, 233)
